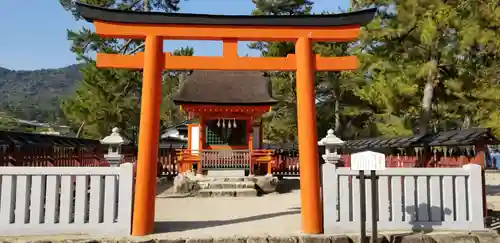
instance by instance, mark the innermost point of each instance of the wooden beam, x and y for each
(227, 109)
(218, 32)
(227, 63)
(229, 116)
(230, 48)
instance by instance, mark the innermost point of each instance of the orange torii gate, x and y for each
(156, 27)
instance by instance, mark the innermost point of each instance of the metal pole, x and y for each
(362, 204)
(374, 188)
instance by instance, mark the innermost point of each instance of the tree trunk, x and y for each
(426, 113)
(182, 77)
(467, 122)
(336, 106)
(337, 118)
(80, 129)
(425, 117)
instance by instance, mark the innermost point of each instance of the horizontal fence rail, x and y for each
(225, 159)
(66, 200)
(418, 199)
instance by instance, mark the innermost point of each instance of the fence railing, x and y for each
(225, 159)
(408, 199)
(286, 164)
(66, 200)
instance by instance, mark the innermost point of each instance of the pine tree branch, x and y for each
(138, 48)
(124, 48)
(133, 5)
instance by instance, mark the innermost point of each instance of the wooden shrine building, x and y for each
(453, 148)
(228, 135)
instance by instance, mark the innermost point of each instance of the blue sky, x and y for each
(34, 36)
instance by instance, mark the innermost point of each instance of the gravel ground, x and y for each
(274, 214)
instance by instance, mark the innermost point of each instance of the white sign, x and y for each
(368, 160)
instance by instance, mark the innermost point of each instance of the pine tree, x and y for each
(281, 122)
(337, 105)
(111, 97)
(8, 122)
(429, 54)
(172, 83)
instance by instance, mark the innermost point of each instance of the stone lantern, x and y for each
(114, 142)
(331, 143)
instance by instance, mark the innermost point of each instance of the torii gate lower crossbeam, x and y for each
(155, 27)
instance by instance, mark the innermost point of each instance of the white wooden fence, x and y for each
(65, 200)
(418, 199)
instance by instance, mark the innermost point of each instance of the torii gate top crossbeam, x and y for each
(113, 23)
(137, 25)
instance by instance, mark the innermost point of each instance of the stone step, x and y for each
(239, 192)
(226, 184)
(226, 172)
(232, 179)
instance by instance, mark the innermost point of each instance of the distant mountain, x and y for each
(36, 95)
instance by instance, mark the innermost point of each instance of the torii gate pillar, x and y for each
(145, 189)
(312, 215)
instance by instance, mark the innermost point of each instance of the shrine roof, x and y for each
(22, 139)
(463, 137)
(92, 13)
(225, 88)
(448, 138)
(179, 126)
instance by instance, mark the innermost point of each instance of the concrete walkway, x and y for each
(275, 214)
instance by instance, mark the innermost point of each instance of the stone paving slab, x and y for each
(276, 214)
(482, 237)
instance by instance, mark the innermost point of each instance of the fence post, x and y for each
(475, 196)
(126, 196)
(329, 179)
(114, 142)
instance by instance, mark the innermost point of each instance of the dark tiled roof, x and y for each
(448, 138)
(23, 139)
(463, 137)
(179, 126)
(397, 142)
(280, 146)
(175, 143)
(225, 88)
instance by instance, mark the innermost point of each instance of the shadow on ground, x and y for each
(426, 225)
(179, 226)
(164, 185)
(287, 185)
(492, 221)
(493, 190)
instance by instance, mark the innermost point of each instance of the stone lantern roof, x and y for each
(115, 138)
(330, 139)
